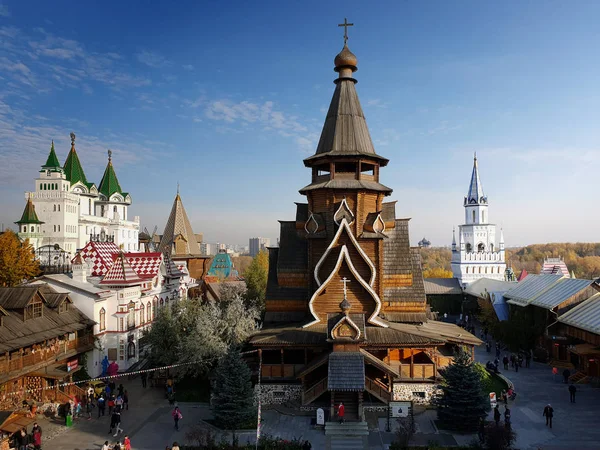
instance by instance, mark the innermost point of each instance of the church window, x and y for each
(479, 269)
(55, 228)
(58, 208)
(115, 209)
(102, 210)
(25, 229)
(90, 206)
(149, 312)
(492, 269)
(481, 247)
(130, 350)
(469, 247)
(59, 228)
(491, 247)
(467, 269)
(32, 229)
(54, 208)
(154, 306)
(486, 270)
(473, 216)
(142, 316)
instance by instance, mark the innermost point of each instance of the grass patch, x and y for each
(192, 390)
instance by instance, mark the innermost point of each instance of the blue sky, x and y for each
(228, 98)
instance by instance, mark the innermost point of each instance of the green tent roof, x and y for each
(110, 183)
(29, 215)
(52, 161)
(73, 169)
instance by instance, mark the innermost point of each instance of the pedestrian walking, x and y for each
(126, 400)
(507, 417)
(22, 439)
(177, 416)
(144, 377)
(572, 390)
(119, 402)
(36, 427)
(175, 446)
(88, 408)
(37, 440)
(566, 375)
(111, 405)
(126, 443)
(101, 405)
(497, 415)
(505, 362)
(115, 422)
(549, 414)
(106, 446)
(341, 411)
(497, 351)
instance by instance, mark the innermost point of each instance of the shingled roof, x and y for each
(109, 184)
(121, 273)
(73, 169)
(52, 163)
(178, 224)
(29, 215)
(345, 132)
(346, 372)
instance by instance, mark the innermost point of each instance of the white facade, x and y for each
(72, 210)
(477, 254)
(121, 313)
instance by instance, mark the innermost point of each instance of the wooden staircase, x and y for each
(377, 390)
(316, 390)
(350, 401)
(579, 378)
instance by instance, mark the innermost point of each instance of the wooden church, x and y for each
(346, 314)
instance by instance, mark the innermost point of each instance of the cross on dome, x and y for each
(345, 25)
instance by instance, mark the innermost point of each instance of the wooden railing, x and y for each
(17, 362)
(314, 391)
(420, 371)
(281, 370)
(377, 389)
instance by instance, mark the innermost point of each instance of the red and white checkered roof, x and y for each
(173, 271)
(146, 265)
(101, 256)
(121, 273)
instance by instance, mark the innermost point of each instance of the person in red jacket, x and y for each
(341, 411)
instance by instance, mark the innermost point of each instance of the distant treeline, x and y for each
(581, 258)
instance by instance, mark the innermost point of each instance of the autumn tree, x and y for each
(437, 272)
(256, 279)
(17, 260)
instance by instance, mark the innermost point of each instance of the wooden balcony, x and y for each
(17, 364)
(378, 390)
(290, 371)
(419, 372)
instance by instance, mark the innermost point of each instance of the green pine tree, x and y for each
(461, 402)
(233, 399)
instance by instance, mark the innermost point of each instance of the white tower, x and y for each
(477, 255)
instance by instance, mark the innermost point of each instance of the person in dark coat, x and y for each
(506, 417)
(497, 415)
(572, 390)
(549, 414)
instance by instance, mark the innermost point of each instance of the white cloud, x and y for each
(152, 59)
(4, 12)
(188, 67)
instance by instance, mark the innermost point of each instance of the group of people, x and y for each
(24, 441)
(125, 445)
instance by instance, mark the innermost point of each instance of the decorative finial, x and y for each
(178, 188)
(475, 156)
(72, 138)
(345, 25)
(109, 155)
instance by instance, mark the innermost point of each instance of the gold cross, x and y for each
(345, 25)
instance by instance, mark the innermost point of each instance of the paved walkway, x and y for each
(575, 425)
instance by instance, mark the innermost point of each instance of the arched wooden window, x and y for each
(142, 316)
(130, 350)
(149, 312)
(102, 319)
(154, 306)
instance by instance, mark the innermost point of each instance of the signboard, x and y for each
(493, 399)
(400, 409)
(72, 364)
(320, 416)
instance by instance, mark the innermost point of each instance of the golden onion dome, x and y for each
(345, 58)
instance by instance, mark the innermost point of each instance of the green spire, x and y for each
(52, 161)
(109, 184)
(73, 169)
(29, 214)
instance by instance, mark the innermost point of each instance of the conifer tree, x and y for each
(461, 402)
(233, 399)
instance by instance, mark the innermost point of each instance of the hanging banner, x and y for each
(72, 364)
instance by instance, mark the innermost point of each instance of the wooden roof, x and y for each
(17, 297)
(345, 131)
(442, 286)
(178, 224)
(16, 333)
(346, 372)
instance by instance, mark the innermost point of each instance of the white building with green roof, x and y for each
(71, 211)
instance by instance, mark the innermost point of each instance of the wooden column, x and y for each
(361, 415)
(412, 366)
(435, 362)
(332, 408)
